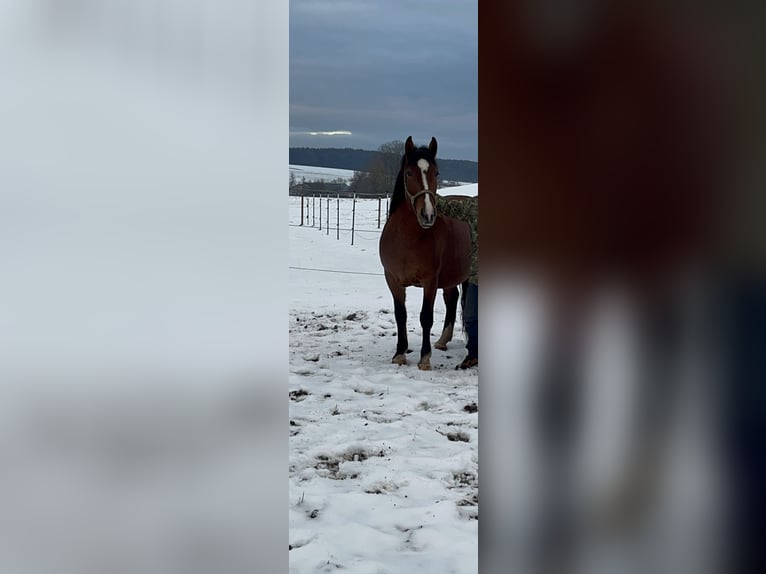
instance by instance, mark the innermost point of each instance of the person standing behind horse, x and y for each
(467, 209)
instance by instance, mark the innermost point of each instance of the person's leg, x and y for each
(471, 324)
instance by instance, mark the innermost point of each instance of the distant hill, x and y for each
(360, 159)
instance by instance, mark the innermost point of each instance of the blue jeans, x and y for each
(471, 319)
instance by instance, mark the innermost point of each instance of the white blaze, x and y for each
(429, 206)
(424, 165)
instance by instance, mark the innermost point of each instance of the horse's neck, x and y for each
(398, 198)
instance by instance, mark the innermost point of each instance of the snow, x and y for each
(312, 173)
(471, 190)
(383, 458)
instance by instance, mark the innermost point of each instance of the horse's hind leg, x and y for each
(400, 314)
(451, 297)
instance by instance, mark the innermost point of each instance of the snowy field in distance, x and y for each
(470, 189)
(312, 173)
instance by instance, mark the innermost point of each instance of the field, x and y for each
(383, 458)
(312, 173)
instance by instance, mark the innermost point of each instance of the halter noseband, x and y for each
(428, 192)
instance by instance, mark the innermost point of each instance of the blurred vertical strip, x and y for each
(143, 333)
(622, 150)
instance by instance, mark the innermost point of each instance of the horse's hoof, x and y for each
(424, 366)
(399, 359)
(445, 338)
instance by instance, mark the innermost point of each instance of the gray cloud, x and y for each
(383, 71)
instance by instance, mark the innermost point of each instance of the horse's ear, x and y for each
(432, 147)
(409, 145)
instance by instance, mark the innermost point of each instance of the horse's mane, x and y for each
(417, 154)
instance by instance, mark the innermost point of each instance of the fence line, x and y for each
(336, 271)
(356, 215)
(345, 229)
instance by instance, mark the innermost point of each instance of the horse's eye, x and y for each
(408, 173)
(437, 174)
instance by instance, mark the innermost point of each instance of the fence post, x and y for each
(386, 207)
(320, 213)
(379, 202)
(337, 220)
(353, 218)
(328, 214)
(307, 212)
(301, 210)
(313, 209)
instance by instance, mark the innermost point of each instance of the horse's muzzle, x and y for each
(426, 221)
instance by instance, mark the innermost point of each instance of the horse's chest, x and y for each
(413, 270)
(413, 261)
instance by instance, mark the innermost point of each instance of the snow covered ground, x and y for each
(383, 463)
(383, 458)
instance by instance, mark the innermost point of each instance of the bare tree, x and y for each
(388, 158)
(380, 177)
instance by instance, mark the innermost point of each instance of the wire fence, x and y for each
(347, 218)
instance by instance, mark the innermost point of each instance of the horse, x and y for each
(420, 248)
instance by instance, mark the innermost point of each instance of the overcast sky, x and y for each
(383, 70)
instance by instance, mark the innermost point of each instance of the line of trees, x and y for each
(360, 160)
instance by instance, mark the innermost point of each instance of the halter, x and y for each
(412, 198)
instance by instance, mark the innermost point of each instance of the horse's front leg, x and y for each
(400, 314)
(427, 321)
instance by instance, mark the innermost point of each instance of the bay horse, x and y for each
(418, 247)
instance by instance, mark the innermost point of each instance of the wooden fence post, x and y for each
(301, 211)
(337, 220)
(320, 213)
(328, 214)
(379, 202)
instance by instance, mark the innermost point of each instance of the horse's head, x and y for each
(419, 172)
